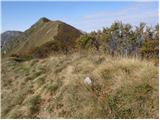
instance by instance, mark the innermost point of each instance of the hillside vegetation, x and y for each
(123, 39)
(53, 70)
(54, 87)
(47, 37)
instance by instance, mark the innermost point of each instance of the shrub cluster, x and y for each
(123, 39)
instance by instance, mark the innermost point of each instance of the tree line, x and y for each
(123, 39)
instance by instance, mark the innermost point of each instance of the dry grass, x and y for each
(121, 87)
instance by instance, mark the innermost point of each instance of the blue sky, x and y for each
(86, 16)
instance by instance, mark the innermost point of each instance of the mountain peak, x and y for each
(44, 38)
(44, 20)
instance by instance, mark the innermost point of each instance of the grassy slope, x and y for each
(54, 88)
(42, 33)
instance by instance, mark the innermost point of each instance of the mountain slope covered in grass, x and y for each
(54, 87)
(43, 38)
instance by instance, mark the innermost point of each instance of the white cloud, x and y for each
(134, 14)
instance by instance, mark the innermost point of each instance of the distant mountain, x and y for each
(11, 39)
(43, 38)
(9, 35)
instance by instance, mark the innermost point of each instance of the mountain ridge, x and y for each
(44, 31)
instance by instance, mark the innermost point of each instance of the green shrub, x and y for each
(34, 103)
(85, 41)
(150, 49)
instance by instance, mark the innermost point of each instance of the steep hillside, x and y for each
(54, 87)
(46, 33)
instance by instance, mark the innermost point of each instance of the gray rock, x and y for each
(88, 81)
